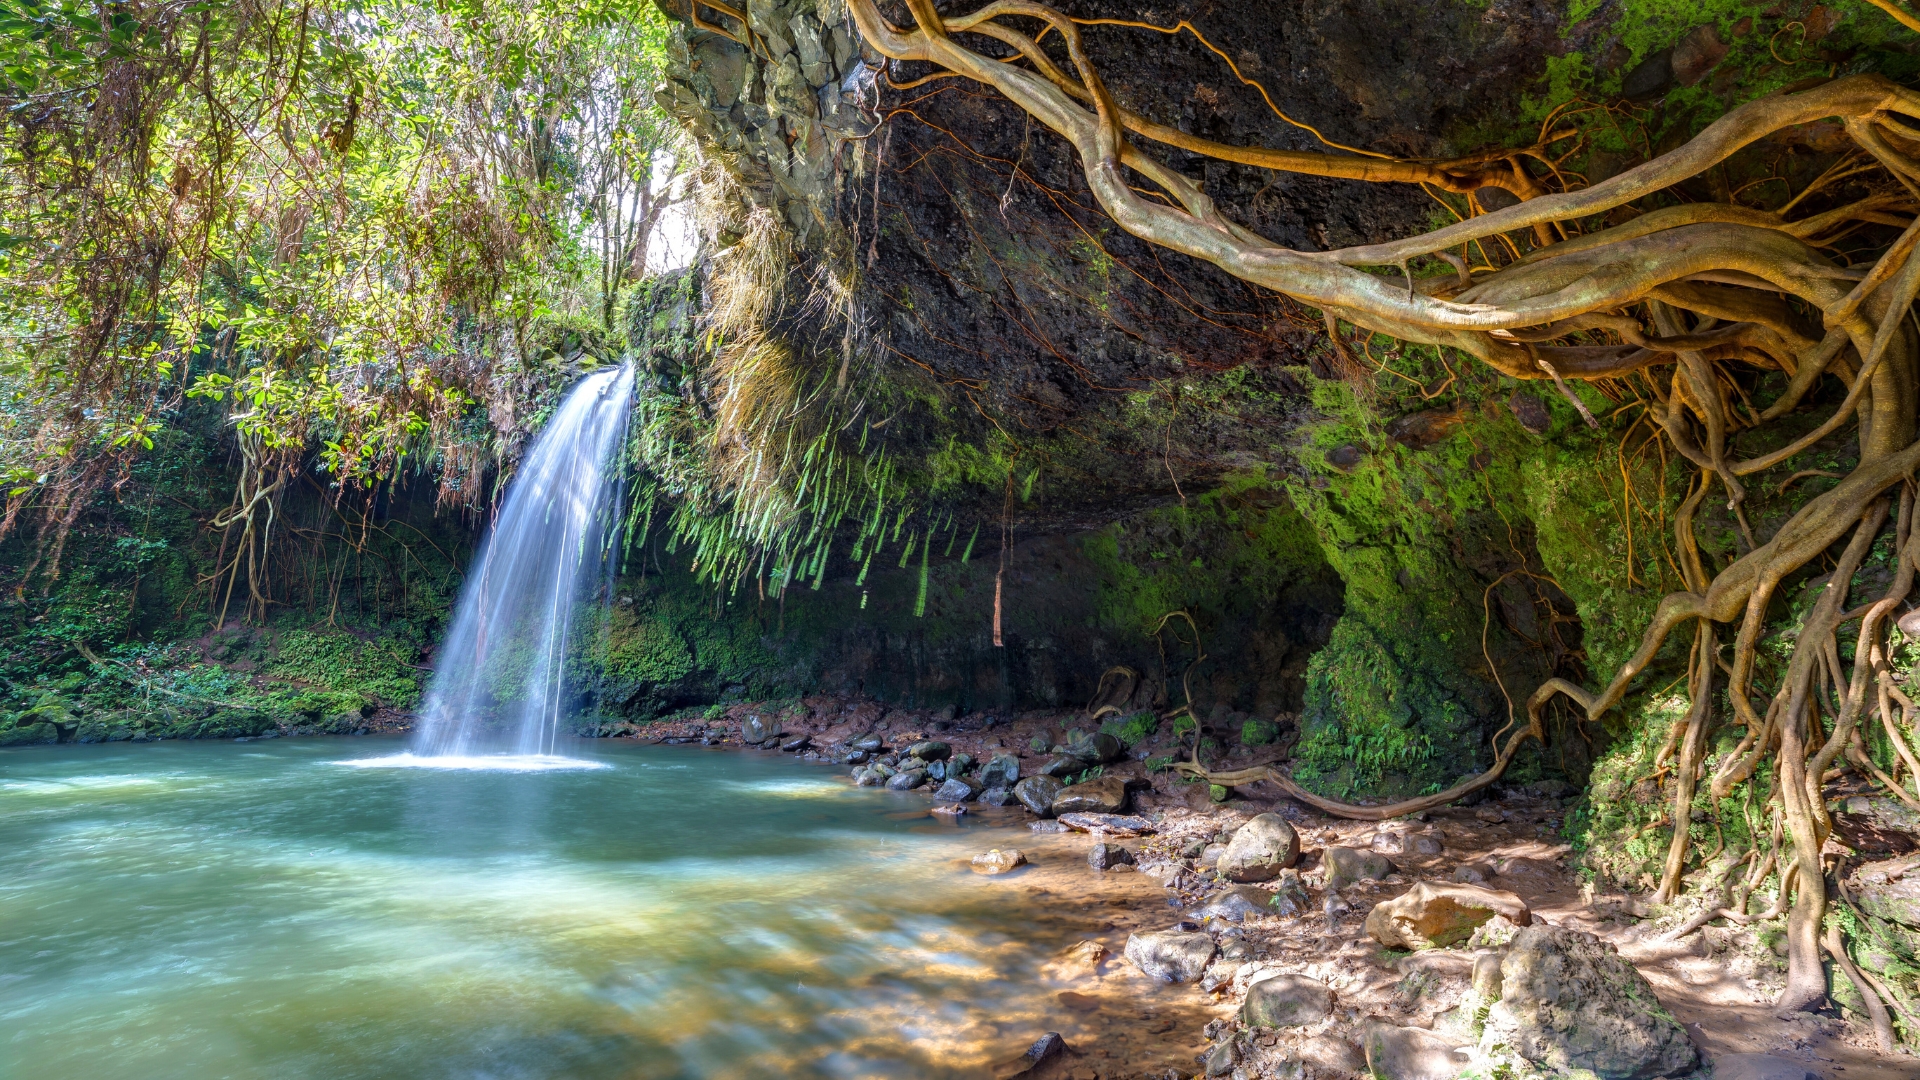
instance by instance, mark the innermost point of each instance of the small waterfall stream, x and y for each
(499, 681)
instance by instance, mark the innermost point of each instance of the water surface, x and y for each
(260, 910)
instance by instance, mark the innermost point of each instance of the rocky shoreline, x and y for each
(1460, 943)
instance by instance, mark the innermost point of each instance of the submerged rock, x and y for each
(1037, 793)
(1431, 915)
(1045, 1050)
(1170, 955)
(1259, 850)
(997, 862)
(1569, 1001)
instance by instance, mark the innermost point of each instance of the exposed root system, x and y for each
(1681, 298)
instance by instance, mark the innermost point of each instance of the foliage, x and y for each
(378, 668)
(1132, 730)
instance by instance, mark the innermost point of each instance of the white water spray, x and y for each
(499, 686)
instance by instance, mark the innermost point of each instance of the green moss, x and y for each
(1132, 730)
(379, 669)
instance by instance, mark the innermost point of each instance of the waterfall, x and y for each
(499, 682)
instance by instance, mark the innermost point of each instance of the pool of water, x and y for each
(267, 909)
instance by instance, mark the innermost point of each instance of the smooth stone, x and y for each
(931, 750)
(996, 796)
(1108, 856)
(959, 764)
(1259, 850)
(869, 743)
(907, 781)
(798, 742)
(1061, 766)
(954, 791)
(1286, 1001)
(1346, 865)
(1122, 825)
(1037, 793)
(864, 777)
(1000, 771)
(1436, 914)
(1170, 955)
(936, 770)
(1102, 795)
(997, 862)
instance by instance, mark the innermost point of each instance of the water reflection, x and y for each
(190, 910)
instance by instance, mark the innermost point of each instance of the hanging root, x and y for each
(1683, 296)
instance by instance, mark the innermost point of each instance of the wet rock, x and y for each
(851, 757)
(1649, 79)
(1697, 55)
(868, 743)
(959, 764)
(1259, 850)
(1431, 915)
(907, 781)
(1126, 825)
(1345, 458)
(1760, 1067)
(1049, 1047)
(1000, 771)
(1037, 793)
(1096, 749)
(1235, 904)
(1047, 827)
(1346, 865)
(1569, 1001)
(1103, 795)
(997, 862)
(866, 777)
(754, 731)
(931, 750)
(911, 763)
(955, 790)
(1170, 955)
(936, 770)
(1108, 856)
(1397, 1053)
(996, 796)
(797, 743)
(1061, 766)
(1286, 1001)
(949, 811)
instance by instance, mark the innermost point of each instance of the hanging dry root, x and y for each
(1684, 296)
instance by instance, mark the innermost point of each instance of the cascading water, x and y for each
(499, 681)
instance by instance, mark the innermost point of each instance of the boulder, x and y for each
(868, 743)
(797, 743)
(1568, 1001)
(1036, 793)
(1760, 1067)
(1000, 771)
(955, 790)
(1104, 795)
(908, 780)
(865, 777)
(1235, 904)
(958, 764)
(1432, 915)
(1126, 825)
(1260, 849)
(930, 750)
(996, 796)
(998, 862)
(1347, 865)
(1398, 1053)
(1061, 766)
(1286, 1001)
(1107, 856)
(1170, 955)
(937, 771)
